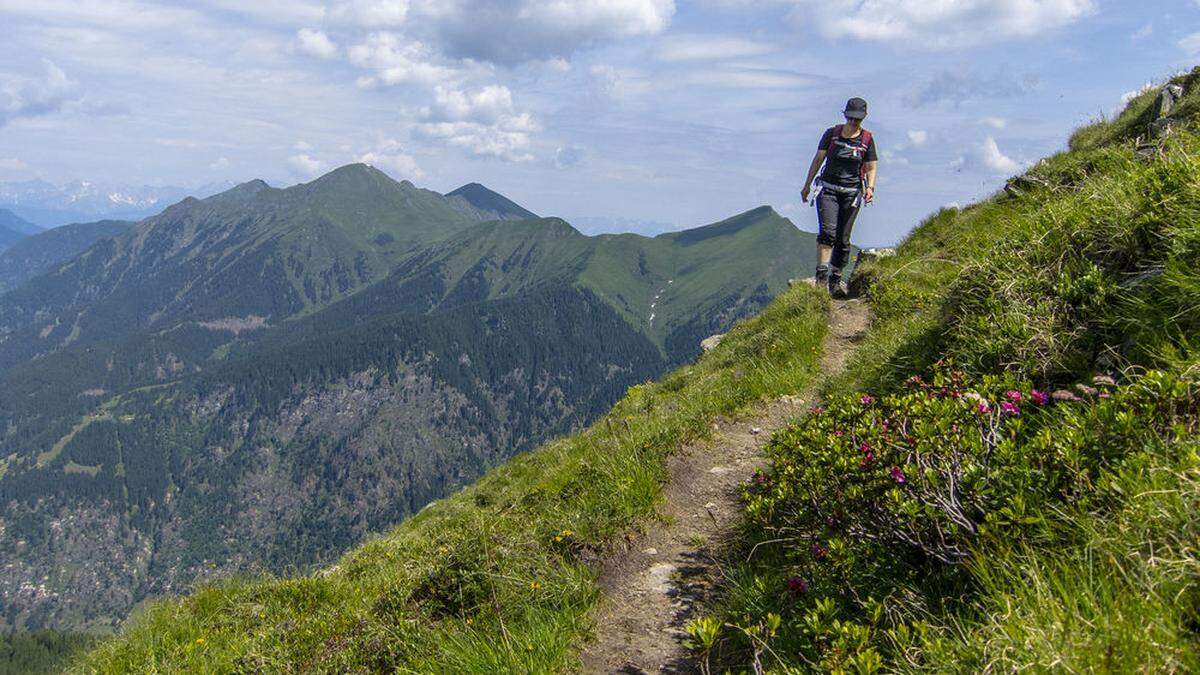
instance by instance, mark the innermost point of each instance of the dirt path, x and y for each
(652, 590)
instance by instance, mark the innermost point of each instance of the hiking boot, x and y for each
(821, 278)
(838, 289)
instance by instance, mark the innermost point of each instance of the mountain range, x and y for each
(49, 205)
(13, 229)
(259, 379)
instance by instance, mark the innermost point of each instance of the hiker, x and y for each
(848, 181)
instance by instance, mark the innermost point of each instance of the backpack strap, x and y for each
(866, 143)
(837, 132)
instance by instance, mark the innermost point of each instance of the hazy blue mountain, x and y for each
(13, 229)
(49, 205)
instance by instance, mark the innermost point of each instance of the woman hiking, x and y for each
(848, 181)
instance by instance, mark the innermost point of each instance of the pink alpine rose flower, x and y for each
(1013, 396)
(898, 476)
(1039, 397)
(1009, 408)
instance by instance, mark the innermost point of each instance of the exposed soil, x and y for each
(652, 589)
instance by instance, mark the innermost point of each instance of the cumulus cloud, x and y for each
(305, 166)
(994, 122)
(939, 25)
(748, 77)
(917, 137)
(396, 60)
(710, 48)
(36, 97)
(987, 156)
(316, 43)
(391, 157)
(484, 122)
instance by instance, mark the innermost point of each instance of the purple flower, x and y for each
(1090, 391)
(1013, 395)
(954, 428)
(1064, 395)
(1039, 397)
(898, 476)
(819, 551)
(866, 399)
(865, 447)
(1010, 408)
(868, 458)
(1104, 381)
(984, 408)
(797, 586)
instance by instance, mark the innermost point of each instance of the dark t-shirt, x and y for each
(843, 163)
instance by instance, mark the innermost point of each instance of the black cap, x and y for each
(856, 108)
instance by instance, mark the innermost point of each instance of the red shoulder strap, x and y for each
(866, 143)
(837, 131)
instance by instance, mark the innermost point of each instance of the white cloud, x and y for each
(304, 166)
(396, 60)
(990, 156)
(219, 163)
(710, 48)
(994, 122)
(1134, 93)
(484, 121)
(618, 82)
(939, 24)
(301, 146)
(370, 13)
(748, 78)
(1191, 44)
(316, 43)
(391, 157)
(29, 97)
(917, 137)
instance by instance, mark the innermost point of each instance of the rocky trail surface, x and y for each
(661, 582)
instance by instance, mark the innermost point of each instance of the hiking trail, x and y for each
(652, 590)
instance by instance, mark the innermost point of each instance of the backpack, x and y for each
(865, 137)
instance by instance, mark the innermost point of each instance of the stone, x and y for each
(710, 343)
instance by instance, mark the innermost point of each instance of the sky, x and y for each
(665, 111)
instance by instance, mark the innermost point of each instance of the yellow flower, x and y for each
(199, 641)
(443, 549)
(470, 621)
(533, 585)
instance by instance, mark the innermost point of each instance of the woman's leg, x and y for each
(847, 213)
(828, 215)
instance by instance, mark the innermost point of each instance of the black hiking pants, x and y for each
(836, 212)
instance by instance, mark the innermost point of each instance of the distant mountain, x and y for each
(615, 225)
(13, 229)
(499, 206)
(259, 379)
(36, 254)
(48, 205)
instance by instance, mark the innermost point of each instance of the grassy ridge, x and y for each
(966, 520)
(494, 578)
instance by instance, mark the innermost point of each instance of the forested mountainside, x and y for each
(1004, 478)
(37, 253)
(258, 380)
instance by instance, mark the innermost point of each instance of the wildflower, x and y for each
(199, 641)
(984, 408)
(470, 621)
(865, 447)
(954, 428)
(1104, 381)
(915, 379)
(760, 478)
(1039, 397)
(868, 458)
(1090, 391)
(1013, 395)
(1064, 395)
(533, 585)
(818, 551)
(797, 586)
(1010, 409)
(816, 410)
(898, 476)
(838, 433)
(866, 399)
(443, 550)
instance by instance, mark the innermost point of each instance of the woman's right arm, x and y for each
(818, 159)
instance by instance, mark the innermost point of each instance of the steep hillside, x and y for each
(1005, 478)
(178, 404)
(37, 253)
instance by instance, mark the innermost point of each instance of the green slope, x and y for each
(38, 253)
(494, 204)
(13, 229)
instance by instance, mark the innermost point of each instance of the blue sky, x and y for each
(657, 110)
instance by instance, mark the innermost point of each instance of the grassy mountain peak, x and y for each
(495, 203)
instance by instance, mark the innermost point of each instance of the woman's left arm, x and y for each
(870, 193)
